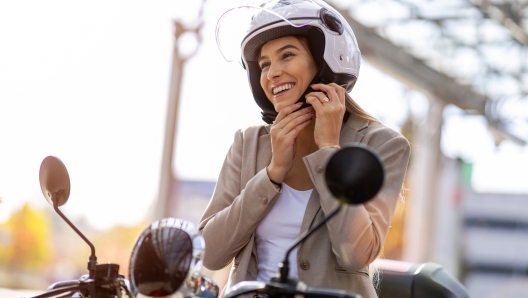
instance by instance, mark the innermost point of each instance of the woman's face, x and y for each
(287, 69)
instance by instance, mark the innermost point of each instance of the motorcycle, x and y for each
(167, 257)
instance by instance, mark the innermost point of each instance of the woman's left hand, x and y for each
(328, 102)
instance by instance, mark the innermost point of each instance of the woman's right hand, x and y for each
(287, 126)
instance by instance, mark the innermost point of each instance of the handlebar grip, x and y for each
(63, 284)
(55, 292)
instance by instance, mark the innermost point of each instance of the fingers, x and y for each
(283, 134)
(340, 92)
(284, 112)
(292, 128)
(289, 113)
(287, 128)
(295, 120)
(334, 92)
(324, 102)
(316, 100)
(294, 132)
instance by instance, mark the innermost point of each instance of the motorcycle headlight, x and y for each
(167, 258)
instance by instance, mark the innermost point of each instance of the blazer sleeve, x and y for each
(357, 232)
(234, 211)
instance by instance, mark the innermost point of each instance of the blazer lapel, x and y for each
(263, 160)
(264, 152)
(351, 131)
(311, 211)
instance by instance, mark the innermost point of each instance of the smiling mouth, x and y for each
(281, 89)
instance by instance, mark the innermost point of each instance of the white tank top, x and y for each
(277, 231)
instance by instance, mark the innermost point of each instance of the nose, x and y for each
(274, 71)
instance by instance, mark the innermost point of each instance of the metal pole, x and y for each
(423, 183)
(167, 179)
(166, 200)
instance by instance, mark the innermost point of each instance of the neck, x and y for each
(305, 140)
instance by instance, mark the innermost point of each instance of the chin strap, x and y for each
(269, 118)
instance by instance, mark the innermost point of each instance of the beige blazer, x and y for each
(339, 253)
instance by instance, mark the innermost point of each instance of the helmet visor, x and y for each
(240, 24)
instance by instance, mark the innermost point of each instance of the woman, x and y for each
(271, 187)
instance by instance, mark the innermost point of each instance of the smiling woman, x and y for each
(302, 59)
(287, 69)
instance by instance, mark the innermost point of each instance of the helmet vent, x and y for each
(331, 21)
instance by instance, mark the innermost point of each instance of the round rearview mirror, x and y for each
(54, 181)
(354, 174)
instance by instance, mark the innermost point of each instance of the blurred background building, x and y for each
(126, 93)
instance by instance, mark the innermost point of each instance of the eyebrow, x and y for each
(278, 51)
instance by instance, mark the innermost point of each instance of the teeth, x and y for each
(282, 88)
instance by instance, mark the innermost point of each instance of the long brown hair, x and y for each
(355, 109)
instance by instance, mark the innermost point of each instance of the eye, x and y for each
(287, 54)
(264, 65)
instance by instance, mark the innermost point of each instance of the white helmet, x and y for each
(331, 41)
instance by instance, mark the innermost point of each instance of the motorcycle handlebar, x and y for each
(55, 292)
(62, 284)
(86, 287)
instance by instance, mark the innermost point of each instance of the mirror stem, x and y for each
(285, 265)
(93, 259)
